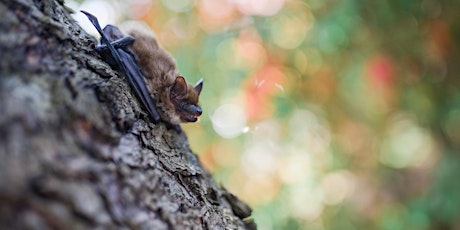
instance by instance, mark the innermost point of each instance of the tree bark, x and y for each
(77, 151)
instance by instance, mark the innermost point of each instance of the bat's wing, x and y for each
(136, 79)
(127, 64)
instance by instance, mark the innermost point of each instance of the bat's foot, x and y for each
(175, 127)
(178, 128)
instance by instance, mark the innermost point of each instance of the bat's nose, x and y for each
(194, 110)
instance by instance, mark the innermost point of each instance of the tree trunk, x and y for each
(76, 148)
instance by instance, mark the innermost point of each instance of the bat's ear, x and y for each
(179, 88)
(199, 86)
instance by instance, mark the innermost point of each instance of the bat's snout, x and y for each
(191, 113)
(199, 111)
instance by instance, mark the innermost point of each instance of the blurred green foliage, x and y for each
(323, 114)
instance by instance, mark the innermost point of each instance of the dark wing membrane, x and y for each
(127, 64)
(136, 79)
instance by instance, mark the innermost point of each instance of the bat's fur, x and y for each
(174, 100)
(168, 88)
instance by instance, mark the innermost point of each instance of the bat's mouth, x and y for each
(191, 117)
(190, 112)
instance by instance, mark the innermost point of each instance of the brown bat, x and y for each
(176, 100)
(151, 72)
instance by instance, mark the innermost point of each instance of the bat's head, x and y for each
(185, 97)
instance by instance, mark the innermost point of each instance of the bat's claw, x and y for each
(121, 43)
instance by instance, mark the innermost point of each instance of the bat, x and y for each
(151, 72)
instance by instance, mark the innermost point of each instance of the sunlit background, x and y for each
(321, 114)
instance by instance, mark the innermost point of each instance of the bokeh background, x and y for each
(321, 114)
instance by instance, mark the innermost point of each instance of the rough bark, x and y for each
(77, 151)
